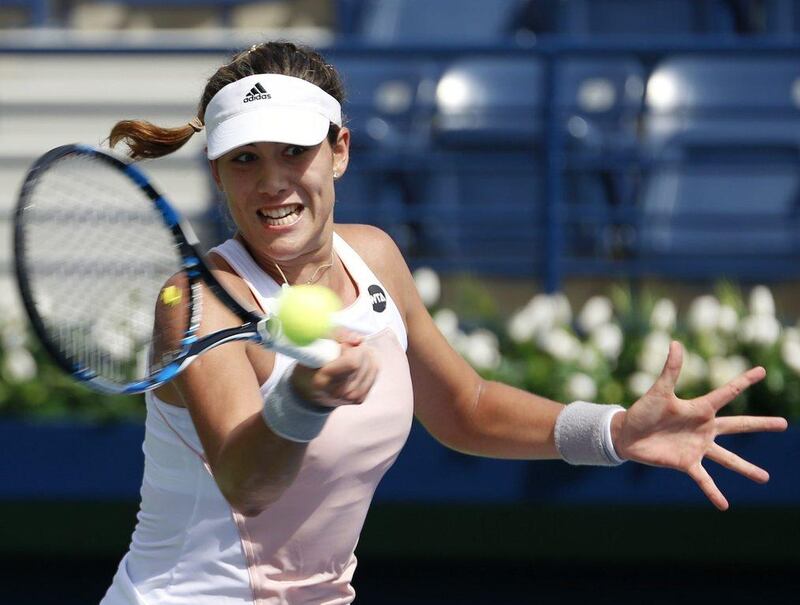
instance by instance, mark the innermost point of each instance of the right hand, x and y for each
(344, 381)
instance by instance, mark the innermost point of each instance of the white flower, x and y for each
(721, 370)
(459, 340)
(13, 335)
(535, 318)
(761, 301)
(694, 370)
(663, 316)
(589, 359)
(655, 349)
(791, 333)
(10, 304)
(596, 312)
(608, 340)
(790, 353)
(581, 387)
(562, 345)
(728, 320)
(482, 349)
(703, 313)
(761, 330)
(542, 311)
(561, 308)
(522, 326)
(19, 364)
(640, 382)
(428, 285)
(447, 322)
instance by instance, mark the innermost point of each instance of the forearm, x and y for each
(506, 422)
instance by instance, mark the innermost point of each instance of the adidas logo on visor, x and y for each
(257, 93)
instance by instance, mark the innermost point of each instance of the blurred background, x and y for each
(574, 182)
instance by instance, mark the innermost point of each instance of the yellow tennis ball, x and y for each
(171, 295)
(305, 312)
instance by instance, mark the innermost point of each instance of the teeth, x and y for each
(280, 216)
(278, 212)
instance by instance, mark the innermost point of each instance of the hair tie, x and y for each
(196, 124)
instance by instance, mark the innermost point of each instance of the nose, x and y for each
(272, 180)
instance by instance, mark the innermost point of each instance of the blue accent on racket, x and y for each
(114, 286)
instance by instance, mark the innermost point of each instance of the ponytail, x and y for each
(148, 141)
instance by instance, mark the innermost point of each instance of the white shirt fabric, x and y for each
(191, 548)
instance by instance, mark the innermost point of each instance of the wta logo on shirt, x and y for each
(378, 298)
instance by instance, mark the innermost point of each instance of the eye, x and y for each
(295, 150)
(244, 157)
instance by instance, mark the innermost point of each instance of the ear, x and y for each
(341, 152)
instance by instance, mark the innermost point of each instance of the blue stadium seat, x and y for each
(782, 17)
(37, 11)
(388, 109)
(440, 21)
(723, 191)
(481, 199)
(720, 204)
(716, 95)
(491, 101)
(646, 17)
(600, 101)
(389, 100)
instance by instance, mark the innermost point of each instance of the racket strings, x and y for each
(97, 254)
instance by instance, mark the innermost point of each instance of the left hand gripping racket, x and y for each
(95, 243)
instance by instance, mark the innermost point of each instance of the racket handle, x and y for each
(315, 355)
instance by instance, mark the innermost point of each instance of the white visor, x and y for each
(269, 108)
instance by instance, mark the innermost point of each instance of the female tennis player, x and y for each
(259, 472)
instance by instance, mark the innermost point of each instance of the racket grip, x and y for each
(315, 355)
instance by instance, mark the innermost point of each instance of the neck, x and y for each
(318, 267)
(318, 274)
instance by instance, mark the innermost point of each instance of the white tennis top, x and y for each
(191, 548)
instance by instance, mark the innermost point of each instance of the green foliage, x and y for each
(32, 387)
(722, 334)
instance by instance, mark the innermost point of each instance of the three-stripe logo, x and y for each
(257, 93)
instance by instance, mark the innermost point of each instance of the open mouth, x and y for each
(284, 215)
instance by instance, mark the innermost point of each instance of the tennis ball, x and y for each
(171, 296)
(305, 312)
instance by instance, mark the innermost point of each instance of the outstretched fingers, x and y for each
(730, 425)
(723, 395)
(672, 368)
(737, 464)
(708, 487)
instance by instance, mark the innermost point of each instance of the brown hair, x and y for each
(146, 140)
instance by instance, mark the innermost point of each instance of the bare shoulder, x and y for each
(374, 245)
(235, 285)
(382, 256)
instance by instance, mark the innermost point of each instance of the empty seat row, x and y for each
(442, 21)
(478, 21)
(698, 158)
(481, 100)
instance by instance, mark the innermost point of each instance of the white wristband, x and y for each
(583, 434)
(289, 415)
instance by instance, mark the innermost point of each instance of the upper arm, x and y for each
(445, 385)
(220, 388)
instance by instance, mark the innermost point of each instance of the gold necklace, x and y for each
(314, 277)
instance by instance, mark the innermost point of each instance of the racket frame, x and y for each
(254, 327)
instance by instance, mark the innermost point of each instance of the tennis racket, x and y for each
(95, 243)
